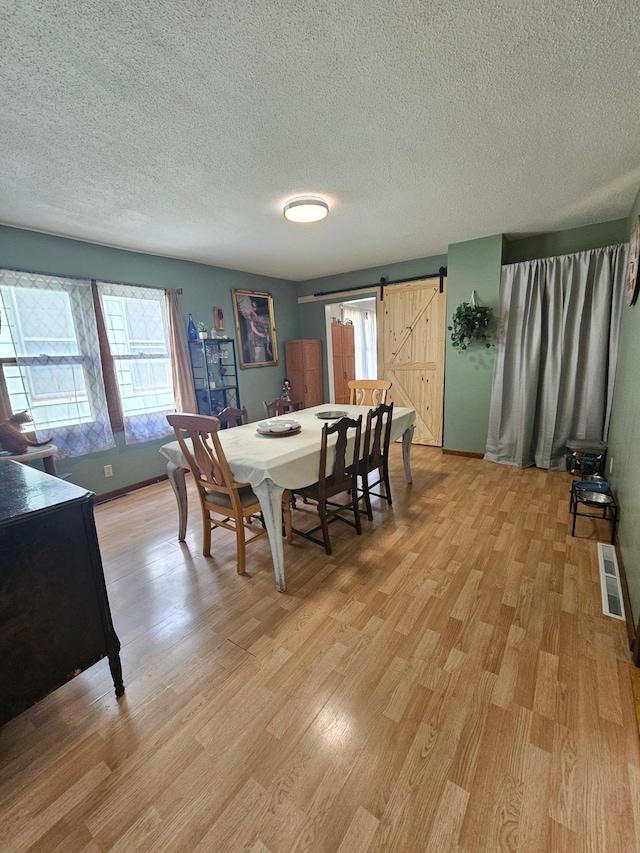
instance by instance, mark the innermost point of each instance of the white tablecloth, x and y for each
(290, 461)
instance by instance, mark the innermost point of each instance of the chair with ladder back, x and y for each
(224, 502)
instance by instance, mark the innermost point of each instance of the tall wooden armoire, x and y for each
(304, 371)
(344, 359)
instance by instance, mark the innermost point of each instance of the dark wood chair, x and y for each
(377, 437)
(280, 407)
(231, 417)
(343, 478)
(224, 502)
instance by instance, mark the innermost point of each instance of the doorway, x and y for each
(351, 356)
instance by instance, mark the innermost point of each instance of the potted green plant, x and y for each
(203, 332)
(470, 323)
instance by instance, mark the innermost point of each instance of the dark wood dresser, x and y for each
(55, 619)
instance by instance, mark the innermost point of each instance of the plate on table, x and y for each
(279, 426)
(331, 415)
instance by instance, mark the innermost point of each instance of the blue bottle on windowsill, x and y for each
(192, 332)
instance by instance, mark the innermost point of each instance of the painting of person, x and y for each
(255, 328)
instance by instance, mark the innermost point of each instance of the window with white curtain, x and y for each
(55, 361)
(138, 331)
(50, 358)
(365, 338)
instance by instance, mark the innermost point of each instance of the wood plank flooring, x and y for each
(446, 682)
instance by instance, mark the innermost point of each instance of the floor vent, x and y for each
(612, 603)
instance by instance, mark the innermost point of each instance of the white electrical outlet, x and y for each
(108, 470)
(611, 464)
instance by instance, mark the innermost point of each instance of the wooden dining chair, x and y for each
(343, 478)
(280, 407)
(224, 502)
(368, 392)
(377, 438)
(231, 417)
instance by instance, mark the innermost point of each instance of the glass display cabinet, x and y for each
(215, 375)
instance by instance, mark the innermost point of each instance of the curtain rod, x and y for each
(385, 283)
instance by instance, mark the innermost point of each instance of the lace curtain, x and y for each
(49, 329)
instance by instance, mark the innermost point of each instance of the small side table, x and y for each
(601, 504)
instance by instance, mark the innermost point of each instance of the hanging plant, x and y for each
(470, 323)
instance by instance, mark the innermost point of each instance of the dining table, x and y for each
(273, 462)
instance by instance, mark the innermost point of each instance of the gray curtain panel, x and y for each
(556, 355)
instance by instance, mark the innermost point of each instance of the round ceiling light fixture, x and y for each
(306, 208)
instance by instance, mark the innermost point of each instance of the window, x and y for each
(51, 360)
(138, 331)
(51, 365)
(51, 379)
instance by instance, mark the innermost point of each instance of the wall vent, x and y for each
(612, 602)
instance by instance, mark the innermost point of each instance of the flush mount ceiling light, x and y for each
(306, 209)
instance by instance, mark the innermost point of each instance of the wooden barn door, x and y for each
(413, 343)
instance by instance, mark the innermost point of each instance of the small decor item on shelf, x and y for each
(285, 394)
(192, 332)
(470, 322)
(218, 319)
(203, 332)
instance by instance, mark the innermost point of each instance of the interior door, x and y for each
(312, 356)
(413, 346)
(344, 360)
(338, 365)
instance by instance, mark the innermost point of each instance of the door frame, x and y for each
(329, 338)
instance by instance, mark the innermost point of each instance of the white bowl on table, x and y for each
(279, 425)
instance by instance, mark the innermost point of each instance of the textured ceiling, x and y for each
(181, 127)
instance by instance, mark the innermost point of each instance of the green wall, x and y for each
(476, 265)
(311, 314)
(566, 242)
(417, 268)
(473, 265)
(204, 287)
(624, 441)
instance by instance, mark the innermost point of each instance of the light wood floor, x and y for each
(445, 682)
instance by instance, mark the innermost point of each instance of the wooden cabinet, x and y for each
(304, 371)
(344, 360)
(54, 612)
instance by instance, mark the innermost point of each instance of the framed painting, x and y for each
(255, 328)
